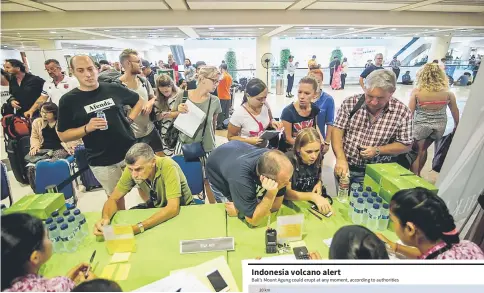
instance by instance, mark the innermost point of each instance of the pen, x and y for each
(90, 263)
(314, 214)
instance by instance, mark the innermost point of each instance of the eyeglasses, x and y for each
(215, 81)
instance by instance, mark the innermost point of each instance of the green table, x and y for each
(158, 249)
(250, 243)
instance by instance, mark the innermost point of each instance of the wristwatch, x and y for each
(377, 150)
(141, 227)
(130, 121)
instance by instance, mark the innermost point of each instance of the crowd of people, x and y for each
(126, 125)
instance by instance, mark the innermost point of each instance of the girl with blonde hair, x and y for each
(429, 102)
(307, 159)
(208, 78)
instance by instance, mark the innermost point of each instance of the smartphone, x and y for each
(218, 283)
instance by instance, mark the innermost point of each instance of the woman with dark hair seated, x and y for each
(25, 248)
(423, 222)
(356, 242)
(307, 159)
(98, 285)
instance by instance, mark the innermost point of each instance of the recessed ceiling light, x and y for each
(133, 36)
(161, 29)
(435, 29)
(53, 32)
(106, 30)
(351, 28)
(261, 28)
(393, 29)
(446, 35)
(323, 34)
(75, 45)
(5, 46)
(355, 35)
(175, 36)
(211, 28)
(306, 28)
(285, 35)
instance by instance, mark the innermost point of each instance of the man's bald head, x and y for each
(276, 166)
(81, 57)
(85, 71)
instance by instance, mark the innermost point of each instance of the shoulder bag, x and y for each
(194, 151)
(171, 137)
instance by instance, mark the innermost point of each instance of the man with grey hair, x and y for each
(373, 127)
(378, 65)
(160, 181)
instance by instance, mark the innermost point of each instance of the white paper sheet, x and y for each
(189, 122)
(179, 282)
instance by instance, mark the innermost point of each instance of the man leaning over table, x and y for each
(251, 181)
(378, 131)
(159, 178)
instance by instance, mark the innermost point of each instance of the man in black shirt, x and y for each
(148, 72)
(24, 87)
(332, 67)
(81, 113)
(255, 179)
(378, 65)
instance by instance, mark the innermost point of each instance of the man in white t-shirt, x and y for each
(54, 89)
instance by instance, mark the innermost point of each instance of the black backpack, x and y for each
(171, 137)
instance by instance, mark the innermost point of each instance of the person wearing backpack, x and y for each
(373, 127)
(143, 126)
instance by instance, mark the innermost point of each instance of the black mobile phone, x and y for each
(301, 252)
(218, 283)
(271, 241)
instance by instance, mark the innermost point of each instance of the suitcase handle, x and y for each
(56, 188)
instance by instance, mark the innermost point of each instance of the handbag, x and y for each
(42, 154)
(194, 151)
(171, 136)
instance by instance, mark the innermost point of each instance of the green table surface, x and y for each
(158, 249)
(250, 243)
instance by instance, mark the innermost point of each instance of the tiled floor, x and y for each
(94, 200)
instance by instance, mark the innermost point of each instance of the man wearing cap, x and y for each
(148, 72)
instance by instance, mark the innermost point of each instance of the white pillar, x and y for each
(439, 48)
(263, 45)
(466, 52)
(460, 180)
(49, 50)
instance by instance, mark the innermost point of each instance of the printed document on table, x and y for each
(179, 282)
(188, 123)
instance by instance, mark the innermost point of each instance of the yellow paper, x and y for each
(297, 244)
(118, 230)
(108, 272)
(123, 272)
(120, 257)
(290, 230)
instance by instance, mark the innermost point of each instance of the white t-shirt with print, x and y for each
(248, 127)
(55, 92)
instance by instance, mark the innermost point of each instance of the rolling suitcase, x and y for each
(87, 177)
(17, 150)
(6, 191)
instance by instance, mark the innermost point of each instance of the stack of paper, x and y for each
(189, 122)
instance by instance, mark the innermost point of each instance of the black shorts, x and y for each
(153, 140)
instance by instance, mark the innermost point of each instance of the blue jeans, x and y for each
(218, 195)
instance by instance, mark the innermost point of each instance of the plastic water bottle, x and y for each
(353, 199)
(368, 205)
(384, 218)
(368, 189)
(55, 214)
(379, 200)
(49, 221)
(59, 221)
(360, 190)
(54, 235)
(74, 231)
(354, 187)
(357, 216)
(64, 235)
(81, 223)
(344, 184)
(100, 114)
(66, 213)
(374, 195)
(374, 217)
